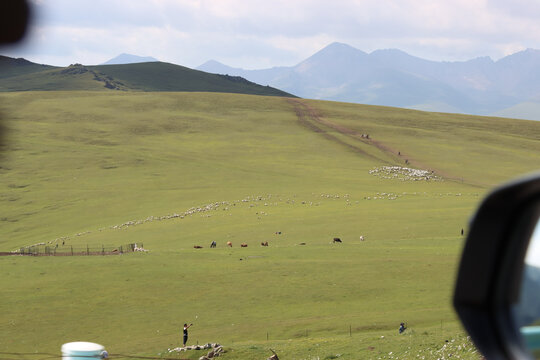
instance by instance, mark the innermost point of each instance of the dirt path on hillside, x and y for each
(310, 118)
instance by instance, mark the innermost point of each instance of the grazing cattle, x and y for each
(337, 240)
(197, 247)
(213, 244)
(361, 237)
(243, 245)
(229, 244)
(264, 243)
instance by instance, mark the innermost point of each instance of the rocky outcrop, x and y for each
(215, 350)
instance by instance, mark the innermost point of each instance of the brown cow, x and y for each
(229, 244)
(264, 243)
(336, 240)
(197, 247)
(243, 245)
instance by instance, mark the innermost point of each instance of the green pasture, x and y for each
(174, 170)
(482, 151)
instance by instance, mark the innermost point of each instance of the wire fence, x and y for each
(70, 250)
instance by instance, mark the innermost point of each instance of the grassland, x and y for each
(85, 166)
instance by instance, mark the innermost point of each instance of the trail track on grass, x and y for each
(313, 120)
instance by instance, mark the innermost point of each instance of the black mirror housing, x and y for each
(490, 273)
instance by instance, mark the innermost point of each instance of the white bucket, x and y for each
(81, 350)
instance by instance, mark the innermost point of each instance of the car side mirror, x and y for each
(497, 293)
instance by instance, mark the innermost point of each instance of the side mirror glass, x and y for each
(527, 310)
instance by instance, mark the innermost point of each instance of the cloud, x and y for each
(256, 33)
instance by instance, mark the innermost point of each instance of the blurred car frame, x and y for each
(491, 270)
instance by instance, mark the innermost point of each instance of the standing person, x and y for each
(402, 328)
(186, 326)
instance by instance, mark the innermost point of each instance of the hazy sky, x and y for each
(256, 34)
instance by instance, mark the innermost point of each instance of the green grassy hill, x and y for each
(10, 67)
(22, 75)
(174, 170)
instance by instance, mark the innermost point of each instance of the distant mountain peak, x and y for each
(212, 62)
(337, 47)
(388, 51)
(331, 55)
(393, 54)
(129, 59)
(215, 67)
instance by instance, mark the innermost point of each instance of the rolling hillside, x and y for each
(173, 170)
(22, 75)
(10, 67)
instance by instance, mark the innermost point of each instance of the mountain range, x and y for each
(508, 87)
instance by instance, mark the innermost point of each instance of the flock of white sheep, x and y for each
(404, 174)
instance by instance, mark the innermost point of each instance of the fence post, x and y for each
(350, 330)
(71, 250)
(121, 252)
(102, 249)
(87, 250)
